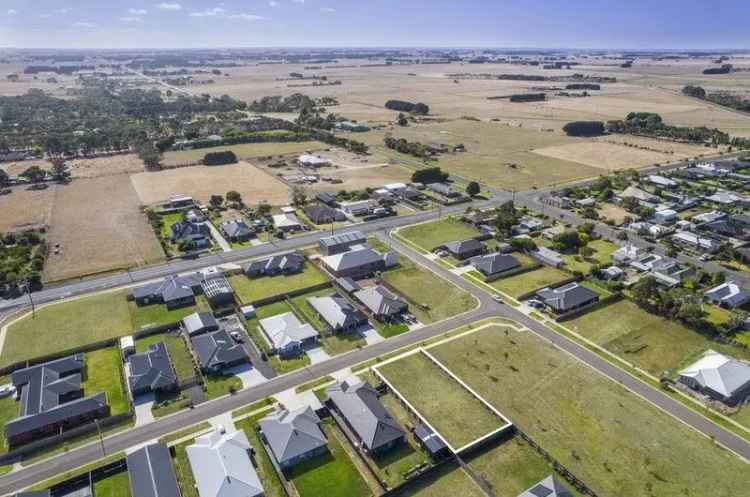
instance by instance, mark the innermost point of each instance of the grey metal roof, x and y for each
(464, 246)
(216, 286)
(186, 229)
(549, 487)
(169, 289)
(348, 284)
(69, 410)
(150, 472)
(379, 300)
(200, 322)
(43, 385)
(291, 262)
(236, 228)
(429, 439)
(495, 263)
(352, 259)
(724, 375)
(347, 238)
(217, 349)
(222, 467)
(291, 434)
(360, 406)
(151, 370)
(567, 297)
(319, 213)
(337, 311)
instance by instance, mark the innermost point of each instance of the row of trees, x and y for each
(416, 149)
(584, 128)
(720, 98)
(651, 124)
(418, 108)
(219, 158)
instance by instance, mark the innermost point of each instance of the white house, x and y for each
(666, 216)
(309, 160)
(728, 294)
(720, 377)
(661, 181)
(627, 253)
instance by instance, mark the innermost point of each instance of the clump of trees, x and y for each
(584, 128)
(219, 158)
(724, 69)
(528, 97)
(429, 175)
(418, 108)
(724, 99)
(583, 86)
(473, 189)
(292, 103)
(651, 124)
(416, 149)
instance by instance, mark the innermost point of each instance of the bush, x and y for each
(403, 106)
(584, 128)
(219, 158)
(429, 175)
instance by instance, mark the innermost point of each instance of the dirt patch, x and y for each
(26, 208)
(99, 226)
(613, 212)
(200, 182)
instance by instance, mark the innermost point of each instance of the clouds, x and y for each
(84, 25)
(12, 12)
(327, 10)
(169, 6)
(273, 3)
(137, 12)
(225, 14)
(215, 12)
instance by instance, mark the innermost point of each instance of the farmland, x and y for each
(616, 442)
(25, 207)
(243, 151)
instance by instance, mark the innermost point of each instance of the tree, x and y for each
(691, 314)
(584, 128)
(186, 245)
(568, 241)
(35, 174)
(646, 291)
(3, 178)
(149, 154)
(402, 120)
(420, 109)
(694, 91)
(523, 244)
(233, 196)
(429, 175)
(473, 189)
(264, 209)
(216, 201)
(299, 197)
(59, 171)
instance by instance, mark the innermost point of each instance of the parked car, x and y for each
(236, 336)
(7, 390)
(536, 304)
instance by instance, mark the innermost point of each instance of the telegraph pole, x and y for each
(31, 300)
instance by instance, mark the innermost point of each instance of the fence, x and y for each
(87, 479)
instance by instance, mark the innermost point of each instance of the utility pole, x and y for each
(31, 300)
(101, 438)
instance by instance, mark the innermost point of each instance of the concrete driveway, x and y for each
(249, 375)
(142, 407)
(317, 355)
(370, 335)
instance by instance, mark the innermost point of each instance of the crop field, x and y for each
(242, 151)
(613, 440)
(99, 226)
(436, 233)
(452, 410)
(529, 281)
(23, 208)
(200, 182)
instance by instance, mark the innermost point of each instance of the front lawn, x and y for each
(182, 361)
(117, 485)
(104, 374)
(155, 315)
(249, 290)
(524, 283)
(333, 344)
(219, 385)
(436, 233)
(183, 471)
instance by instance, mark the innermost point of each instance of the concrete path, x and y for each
(143, 405)
(462, 269)
(317, 355)
(218, 238)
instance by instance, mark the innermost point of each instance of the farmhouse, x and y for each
(217, 351)
(549, 487)
(383, 304)
(341, 242)
(464, 249)
(217, 290)
(293, 436)
(172, 291)
(492, 265)
(222, 467)
(720, 377)
(237, 230)
(287, 335)
(358, 403)
(728, 294)
(150, 472)
(51, 397)
(199, 322)
(337, 312)
(151, 371)
(288, 222)
(357, 262)
(198, 233)
(313, 161)
(286, 264)
(567, 298)
(322, 214)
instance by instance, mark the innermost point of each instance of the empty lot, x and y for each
(24, 207)
(243, 151)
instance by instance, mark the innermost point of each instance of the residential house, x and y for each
(552, 232)
(322, 214)
(547, 256)
(661, 181)
(173, 291)
(480, 217)
(217, 290)
(359, 406)
(549, 487)
(151, 371)
(199, 322)
(150, 472)
(728, 198)
(347, 285)
(611, 273)
(383, 304)
(669, 272)
(720, 377)
(222, 467)
(729, 294)
(443, 189)
(198, 233)
(358, 262)
(494, 265)
(729, 227)
(358, 207)
(627, 253)
(464, 249)
(341, 242)
(287, 335)
(181, 201)
(195, 216)
(567, 298)
(293, 436)
(696, 241)
(288, 222)
(586, 202)
(708, 217)
(237, 230)
(646, 262)
(337, 312)
(312, 161)
(638, 194)
(286, 264)
(51, 398)
(528, 223)
(666, 216)
(327, 199)
(217, 351)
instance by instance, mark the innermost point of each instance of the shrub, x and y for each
(584, 128)
(219, 158)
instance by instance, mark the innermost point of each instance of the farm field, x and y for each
(90, 167)
(436, 233)
(616, 442)
(529, 281)
(99, 226)
(605, 156)
(24, 208)
(453, 411)
(200, 182)
(242, 151)
(363, 177)
(250, 290)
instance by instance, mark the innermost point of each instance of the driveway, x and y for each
(249, 375)
(220, 240)
(370, 335)
(142, 406)
(317, 355)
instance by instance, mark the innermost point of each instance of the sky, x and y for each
(634, 24)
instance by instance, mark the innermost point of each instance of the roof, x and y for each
(319, 213)
(313, 160)
(217, 349)
(185, 229)
(495, 263)
(729, 293)
(429, 439)
(549, 487)
(347, 238)
(348, 284)
(198, 322)
(567, 297)
(291, 434)
(464, 246)
(74, 409)
(547, 255)
(352, 259)
(638, 194)
(283, 262)
(380, 301)
(150, 472)
(222, 467)
(152, 369)
(169, 289)
(216, 286)
(359, 404)
(285, 329)
(236, 227)
(724, 375)
(43, 385)
(337, 311)
(286, 220)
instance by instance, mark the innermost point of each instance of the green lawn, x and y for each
(151, 316)
(249, 290)
(335, 344)
(67, 325)
(443, 402)
(430, 297)
(330, 475)
(436, 233)
(388, 330)
(523, 283)
(9, 410)
(448, 481)
(104, 374)
(169, 403)
(272, 486)
(615, 441)
(181, 465)
(219, 385)
(182, 361)
(117, 485)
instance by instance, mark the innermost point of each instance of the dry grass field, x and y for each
(201, 182)
(84, 168)
(99, 226)
(27, 81)
(25, 208)
(606, 156)
(243, 151)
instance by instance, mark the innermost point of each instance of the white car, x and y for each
(236, 336)
(7, 390)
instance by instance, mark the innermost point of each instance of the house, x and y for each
(222, 467)
(150, 472)
(358, 207)
(627, 253)
(327, 199)
(431, 442)
(237, 230)
(51, 398)
(351, 126)
(337, 312)
(464, 249)
(313, 161)
(646, 262)
(666, 216)
(551, 233)
(199, 322)
(288, 222)
(708, 217)
(493, 265)
(286, 264)
(198, 233)
(347, 285)
(443, 189)
(173, 291)
(728, 198)
(359, 406)
(480, 217)
(287, 335)
(730, 227)
(195, 216)
(217, 290)
(567, 298)
(341, 242)
(293, 436)
(549, 487)
(612, 273)
(729, 294)
(661, 181)
(181, 201)
(696, 241)
(547, 256)
(586, 202)
(357, 262)
(638, 194)
(322, 214)
(720, 377)
(217, 351)
(151, 371)
(529, 223)
(383, 304)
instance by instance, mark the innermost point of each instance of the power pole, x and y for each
(31, 300)
(101, 438)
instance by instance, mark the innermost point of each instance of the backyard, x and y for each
(524, 283)
(436, 233)
(250, 290)
(117, 485)
(104, 374)
(448, 481)
(155, 315)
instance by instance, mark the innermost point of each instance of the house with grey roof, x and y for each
(337, 312)
(198, 233)
(237, 230)
(217, 290)
(173, 291)
(51, 397)
(286, 335)
(293, 436)
(567, 298)
(729, 294)
(720, 377)
(341, 242)
(348, 285)
(199, 322)
(359, 261)
(464, 249)
(496, 264)
(150, 472)
(549, 487)
(288, 222)
(323, 214)
(290, 263)
(359, 406)
(547, 256)
(151, 371)
(217, 351)
(382, 303)
(222, 466)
